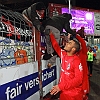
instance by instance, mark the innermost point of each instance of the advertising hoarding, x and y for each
(80, 19)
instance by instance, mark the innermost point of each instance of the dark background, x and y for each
(20, 5)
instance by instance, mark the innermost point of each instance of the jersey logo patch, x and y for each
(80, 67)
(68, 67)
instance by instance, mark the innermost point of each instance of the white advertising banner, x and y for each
(50, 76)
(19, 82)
(97, 23)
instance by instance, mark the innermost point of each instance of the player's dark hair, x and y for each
(77, 45)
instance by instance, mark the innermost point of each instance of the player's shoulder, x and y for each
(77, 58)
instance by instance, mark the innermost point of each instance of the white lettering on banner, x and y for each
(31, 83)
(11, 93)
(78, 18)
(47, 75)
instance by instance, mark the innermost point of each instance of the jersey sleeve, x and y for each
(55, 45)
(76, 81)
(83, 44)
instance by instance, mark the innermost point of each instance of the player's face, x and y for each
(68, 47)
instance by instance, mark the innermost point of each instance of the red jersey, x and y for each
(71, 74)
(83, 57)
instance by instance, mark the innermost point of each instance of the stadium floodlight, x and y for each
(69, 4)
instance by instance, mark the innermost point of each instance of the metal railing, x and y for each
(17, 39)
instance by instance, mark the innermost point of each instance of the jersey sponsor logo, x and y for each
(68, 67)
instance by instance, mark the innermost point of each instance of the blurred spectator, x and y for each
(35, 14)
(98, 57)
(94, 53)
(90, 60)
(81, 32)
(56, 24)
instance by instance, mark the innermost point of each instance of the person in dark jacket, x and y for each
(34, 14)
(56, 24)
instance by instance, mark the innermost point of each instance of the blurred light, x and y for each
(88, 16)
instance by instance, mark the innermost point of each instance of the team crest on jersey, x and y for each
(80, 67)
(68, 67)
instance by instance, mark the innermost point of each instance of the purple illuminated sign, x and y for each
(80, 19)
